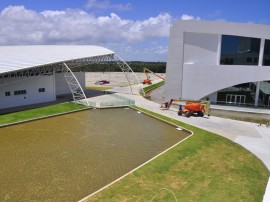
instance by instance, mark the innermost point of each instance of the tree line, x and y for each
(136, 66)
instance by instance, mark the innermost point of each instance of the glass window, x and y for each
(7, 93)
(266, 54)
(19, 92)
(236, 50)
(41, 90)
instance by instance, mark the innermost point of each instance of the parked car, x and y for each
(102, 82)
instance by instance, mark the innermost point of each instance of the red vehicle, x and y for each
(102, 82)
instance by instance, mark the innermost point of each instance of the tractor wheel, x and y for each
(200, 114)
(188, 114)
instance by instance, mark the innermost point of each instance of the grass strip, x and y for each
(39, 112)
(152, 87)
(205, 167)
(101, 88)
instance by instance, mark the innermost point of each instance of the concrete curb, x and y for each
(170, 123)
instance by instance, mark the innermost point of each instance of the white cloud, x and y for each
(153, 27)
(134, 53)
(130, 38)
(22, 26)
(189, 17)
(106, 4)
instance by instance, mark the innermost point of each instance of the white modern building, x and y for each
(37, 74)
(225, 62)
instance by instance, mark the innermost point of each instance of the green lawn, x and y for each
(152, 87)
(101, 88)
(206, 167)
(39, 112)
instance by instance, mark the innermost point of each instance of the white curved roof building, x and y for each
(38, 73)
(13, 58)
(216, 60)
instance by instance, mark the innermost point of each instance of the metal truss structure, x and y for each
(66, 66)
(130, 76)
(75, 87)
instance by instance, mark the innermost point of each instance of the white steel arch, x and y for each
(130, 76)
(75, 87)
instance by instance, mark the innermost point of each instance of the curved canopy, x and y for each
(13, 58)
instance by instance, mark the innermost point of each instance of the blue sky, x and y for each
(135, 29)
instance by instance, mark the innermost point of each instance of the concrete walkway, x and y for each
(254, 138)
(242, 109)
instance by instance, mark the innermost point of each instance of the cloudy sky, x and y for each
(135, 29)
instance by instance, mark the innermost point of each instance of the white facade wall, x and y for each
(200, 48)
(173, 83)
(32, 96)
(61, 86)
(212, 78)
(193, 69)
(54, 85)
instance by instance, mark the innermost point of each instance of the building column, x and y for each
(257, 93)
(261, 52)
(260, 63)
(219, 49)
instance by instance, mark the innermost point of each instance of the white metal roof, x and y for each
(14, 58)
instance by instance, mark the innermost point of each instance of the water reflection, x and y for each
(68, 157)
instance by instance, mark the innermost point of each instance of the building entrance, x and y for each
(235, 99)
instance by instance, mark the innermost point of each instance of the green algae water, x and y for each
(68, 157)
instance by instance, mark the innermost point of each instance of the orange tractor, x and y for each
(191, 107)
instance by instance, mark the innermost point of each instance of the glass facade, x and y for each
(266, 54)
(236, 50)
(244, 94)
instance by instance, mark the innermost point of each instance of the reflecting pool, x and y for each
(65, 158)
